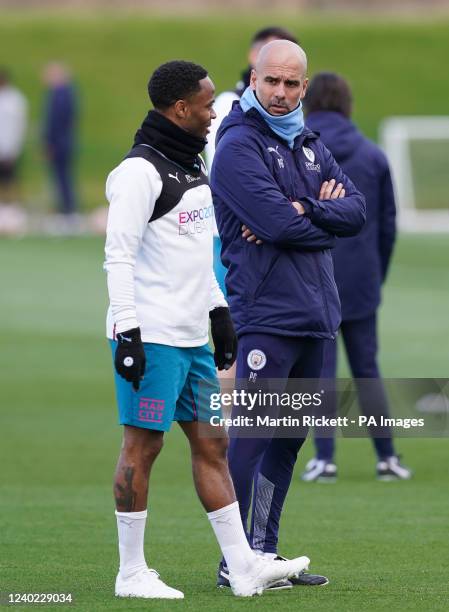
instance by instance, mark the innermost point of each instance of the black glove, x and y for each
(130, 357)
(224, 337)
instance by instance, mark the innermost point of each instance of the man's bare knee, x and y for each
(211, 450)
(142, 444)
(152, 450)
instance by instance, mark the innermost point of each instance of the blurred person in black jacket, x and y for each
(59, 133)
(361, 264)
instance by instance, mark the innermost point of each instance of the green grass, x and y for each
(394, 68)
(384, 546)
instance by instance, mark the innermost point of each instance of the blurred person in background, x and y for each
(13, 124)
(222, 106)
(361, 265)
(59, 135)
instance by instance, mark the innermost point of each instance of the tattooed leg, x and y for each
(139, 451)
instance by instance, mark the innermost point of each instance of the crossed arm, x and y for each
(241, 178)
(329, 191)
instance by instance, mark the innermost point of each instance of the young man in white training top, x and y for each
(162, 294)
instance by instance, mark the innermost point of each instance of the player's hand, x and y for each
(130, 357)
(224, 337)
(299, 207)
(249, 236)
(330, 191)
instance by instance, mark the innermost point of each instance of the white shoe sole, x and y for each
(135, 596)
(391, 478)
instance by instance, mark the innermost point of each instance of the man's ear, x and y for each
(304, 88)
(180, 108)
(253, 79)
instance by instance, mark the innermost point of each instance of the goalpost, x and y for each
(418, 151)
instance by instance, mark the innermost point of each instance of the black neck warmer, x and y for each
(172, 141)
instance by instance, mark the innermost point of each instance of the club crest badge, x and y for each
(309, 154)
(256, 359)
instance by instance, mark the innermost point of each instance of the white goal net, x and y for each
(418, 151)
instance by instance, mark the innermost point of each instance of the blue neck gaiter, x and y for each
(288, 126)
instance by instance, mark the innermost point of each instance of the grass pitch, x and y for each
(383, 545)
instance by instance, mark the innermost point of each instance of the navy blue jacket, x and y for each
(286, 285)
(360, 263)
(59, 130)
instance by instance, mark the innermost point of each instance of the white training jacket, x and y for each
(160, 274)
(13, 122)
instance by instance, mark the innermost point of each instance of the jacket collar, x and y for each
(254, 118)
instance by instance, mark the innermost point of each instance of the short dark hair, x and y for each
(176, 80)
(273, 32)
(328, 91)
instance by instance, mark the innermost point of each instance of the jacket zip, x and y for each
(326, 306)
(317, 267)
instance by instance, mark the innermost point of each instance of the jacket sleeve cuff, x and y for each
(217, 299)
(125, 323)
(313, 209)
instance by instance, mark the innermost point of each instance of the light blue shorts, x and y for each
(219, 269)
(177, 386)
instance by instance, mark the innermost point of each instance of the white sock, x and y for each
(228, 528)
(267, 555)
(131, 531)
(270, 556)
